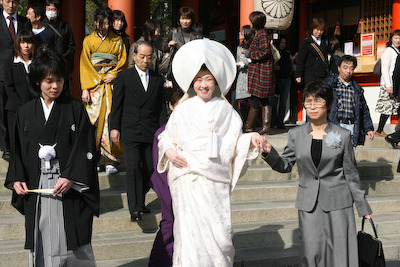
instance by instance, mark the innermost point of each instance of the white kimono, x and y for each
(209, 136)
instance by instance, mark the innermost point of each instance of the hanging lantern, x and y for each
(359, 27)
(279, 13)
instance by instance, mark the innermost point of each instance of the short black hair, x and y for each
(103, 13)
(24, 36)
(187, 12)
(46, 61)
(347, 58)
(139, 43)
(39, 10)
(56, 3)
(175, 95)
(319, 89)
(258, 19)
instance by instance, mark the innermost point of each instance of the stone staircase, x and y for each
(263, 215)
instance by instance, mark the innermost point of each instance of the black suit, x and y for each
(137, 114)
(6, 56)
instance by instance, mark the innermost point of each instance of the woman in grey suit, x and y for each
(329, 183)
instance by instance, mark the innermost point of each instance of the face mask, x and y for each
(51, 15)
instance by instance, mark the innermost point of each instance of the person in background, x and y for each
(329, 183)
(10, 24)
(261, 76)
(53, 169)
(349, 108)
(151, 34)
(137, 112)
(283, 71)
(242, 97)
(103, 56)
(65, 44)
(387, 104)
(179, 36)
(17, 87)
(336, 53)
(163, 247)
(36, 14)
(312, 60)
(119, 26)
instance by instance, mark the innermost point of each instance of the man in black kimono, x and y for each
(54, 150)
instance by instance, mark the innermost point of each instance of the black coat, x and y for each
(18, 91)
(6, 58)
(65, 44)
(137, 114)
(69, 127)
(310, 66)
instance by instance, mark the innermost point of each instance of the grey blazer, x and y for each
(335, 184)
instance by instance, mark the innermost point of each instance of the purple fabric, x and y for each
(161, 254)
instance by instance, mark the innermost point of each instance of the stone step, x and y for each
(281, 239)
(12, 226)
(244, 191)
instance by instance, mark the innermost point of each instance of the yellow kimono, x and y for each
(98, 58)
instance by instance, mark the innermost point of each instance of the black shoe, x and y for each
(136, 217)
(6, 155)
(392, 141)
(145, 210)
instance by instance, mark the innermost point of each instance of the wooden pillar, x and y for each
(75, 16)
(396, 15)
(246, 7)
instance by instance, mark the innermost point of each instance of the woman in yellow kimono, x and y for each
(103, 56)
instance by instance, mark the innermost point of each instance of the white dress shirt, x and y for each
(144, 77)
(318, 41)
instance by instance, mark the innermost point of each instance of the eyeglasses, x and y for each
(319, 103)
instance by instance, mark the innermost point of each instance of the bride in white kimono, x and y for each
(205, 152)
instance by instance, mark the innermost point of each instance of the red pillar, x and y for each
(126, 6)
(246, 7)
(396, 15)
(302, 35)
(75, 16)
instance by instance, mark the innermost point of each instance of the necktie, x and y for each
(144, 81)
(11, 27)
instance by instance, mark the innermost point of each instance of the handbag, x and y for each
(370, 250)
(275, 53)
(377, 68)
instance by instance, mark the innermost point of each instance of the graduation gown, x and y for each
(69, 127)
(208, 135)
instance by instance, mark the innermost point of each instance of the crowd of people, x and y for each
(193, 159)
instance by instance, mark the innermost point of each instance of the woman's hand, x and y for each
(62, 186)
(178, 161)
(368, 216)
(109, 78)
(298, 79)
(389, 90)
(259, 141)
(85, 96)
(171, 43)
(20, 188)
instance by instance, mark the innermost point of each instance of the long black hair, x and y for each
(248, 34)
